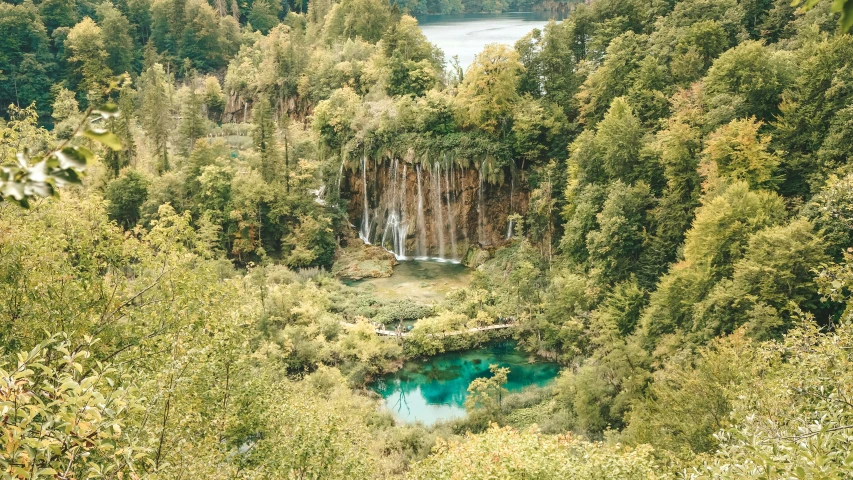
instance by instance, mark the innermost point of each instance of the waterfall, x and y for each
(480, 212)
(432, 217)
(387, 207)
(394, 205)
(438, 210)
(451, 217)
(462, 200)
(364, 234)
(421, 222)
(340, 176)
(511, 190)
(403, 227)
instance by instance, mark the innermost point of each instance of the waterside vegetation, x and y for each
(657, 194)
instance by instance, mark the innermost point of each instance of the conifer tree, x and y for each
(193, 125)
(264, 137)
(155, 98)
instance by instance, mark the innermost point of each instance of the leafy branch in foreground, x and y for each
(41, 175)
(60, 422)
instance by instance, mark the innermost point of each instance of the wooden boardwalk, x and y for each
(394, 333)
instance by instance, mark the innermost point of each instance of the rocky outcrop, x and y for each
(476, 256)
(433, 210)
(355, 260)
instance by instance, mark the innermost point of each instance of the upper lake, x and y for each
(466, 34)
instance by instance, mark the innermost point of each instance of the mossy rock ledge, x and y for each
(476, 256)
(359, 260)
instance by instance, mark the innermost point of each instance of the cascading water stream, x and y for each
(480, 220)
(439, 225)
(395, 210)
(340, 176)
(511, 191)
(461, 200)
(421, 221)
(429, 218)
(364, 234)
(387, 207)
(451, 212)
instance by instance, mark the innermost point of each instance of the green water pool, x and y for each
(423, 281)
(434, 389)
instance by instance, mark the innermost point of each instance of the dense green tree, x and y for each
(717, 239)
(612, 79)
(619, 137)
(581, 216)
(65, 113)
(738, 150)
(485, 395)
(367, 19)
(206, 39)
(699, 388)
(26, 62)
(265, 138)
(619, 311)
(264, 15)
(126, 195)
(770, 285)
(615, 247)
(311, 243)
(601, 391)
(808, 107)
(85, 45)
(214, 99)
(58, 13)
(490, 89)
(562, 49)
(167, 16)
(678, 150)
(334, 117)
(118, 43)
(754, 75)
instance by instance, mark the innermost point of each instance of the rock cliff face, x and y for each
(432, 210)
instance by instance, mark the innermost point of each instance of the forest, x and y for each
(655, 197)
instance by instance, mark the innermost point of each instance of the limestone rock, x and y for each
(357, 261)
(476, 256)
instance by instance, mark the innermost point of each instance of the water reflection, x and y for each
(435, 389)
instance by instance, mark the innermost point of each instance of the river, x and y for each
(466, 34)
(434, 389)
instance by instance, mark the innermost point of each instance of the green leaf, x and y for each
(107, 110)
(13, 190)
(71, 157)
(103, 136)
(847, 16)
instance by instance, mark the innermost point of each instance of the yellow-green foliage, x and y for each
(65, 415)
(505, 453)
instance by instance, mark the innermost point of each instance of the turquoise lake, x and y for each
(434, 389)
